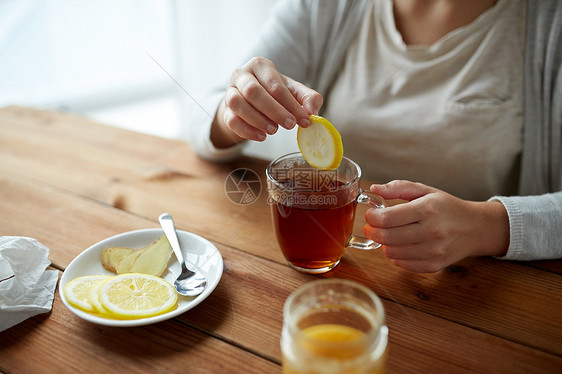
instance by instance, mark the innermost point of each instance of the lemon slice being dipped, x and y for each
(135, 295)
(77, 291)
(320, 144)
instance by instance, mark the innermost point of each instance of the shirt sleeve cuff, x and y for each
(515, 215)
(208, 151)
(201, 117)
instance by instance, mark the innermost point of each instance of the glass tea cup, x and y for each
(313, 211)
(334, 326)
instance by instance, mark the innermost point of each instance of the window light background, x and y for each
(109, 60)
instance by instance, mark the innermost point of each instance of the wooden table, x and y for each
(70, 183)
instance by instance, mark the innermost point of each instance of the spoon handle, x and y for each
(167, 224)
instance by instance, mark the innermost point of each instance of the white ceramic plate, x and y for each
(198, 252)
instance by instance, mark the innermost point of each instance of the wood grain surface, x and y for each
(69, 183)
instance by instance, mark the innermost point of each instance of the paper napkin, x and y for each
(26, 288)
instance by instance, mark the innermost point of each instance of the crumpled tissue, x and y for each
(26, 288)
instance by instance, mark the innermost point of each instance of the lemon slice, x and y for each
(77, 291)
(320, 144)
(95, 296)
(135, 295)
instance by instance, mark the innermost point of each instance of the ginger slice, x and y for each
(111, 256)
(124, 266)
(154, 259)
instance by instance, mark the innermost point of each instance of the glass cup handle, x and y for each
(375, 201)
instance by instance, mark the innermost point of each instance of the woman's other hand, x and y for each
(258, 100)
(434, 229)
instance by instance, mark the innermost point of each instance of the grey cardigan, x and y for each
(307, 40)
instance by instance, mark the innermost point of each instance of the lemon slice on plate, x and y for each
(77, 291)
(320, 144)
(135, 295)
(95, 296)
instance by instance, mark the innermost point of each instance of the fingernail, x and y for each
(271, 129)
(377, 187)
(305, 122)
(261, 137)
(289, 123)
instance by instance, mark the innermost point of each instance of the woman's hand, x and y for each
(258, 100)
(434, 229)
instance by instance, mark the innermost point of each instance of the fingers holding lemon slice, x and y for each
(320, 144)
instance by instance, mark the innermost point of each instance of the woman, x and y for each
(464, 96)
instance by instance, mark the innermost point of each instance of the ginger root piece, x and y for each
(111, 256)
(124, 266)
(154, 259)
